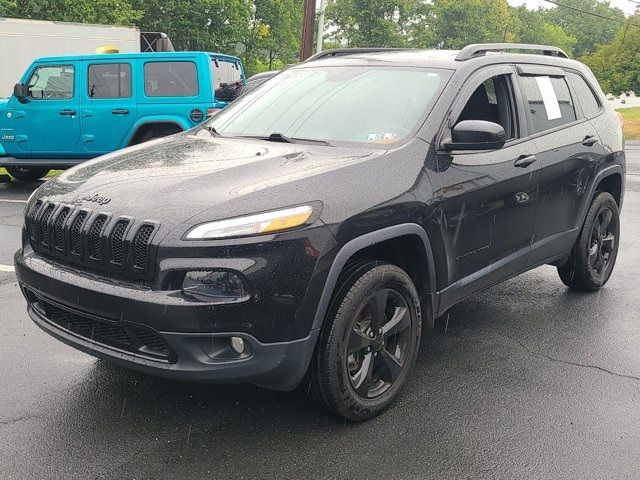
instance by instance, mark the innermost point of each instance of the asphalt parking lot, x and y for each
(525, 380)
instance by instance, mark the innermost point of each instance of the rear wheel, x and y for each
(369, 342)
(28, 174)
(594, 253)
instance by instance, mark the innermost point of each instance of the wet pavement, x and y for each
(525, 380)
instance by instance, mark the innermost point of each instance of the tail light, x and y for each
(212, 111)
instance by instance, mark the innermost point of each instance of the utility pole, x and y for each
(306, 45)
(323, 7)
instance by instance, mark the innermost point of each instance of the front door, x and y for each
(48, 123)
(487, 197)
(109, 108)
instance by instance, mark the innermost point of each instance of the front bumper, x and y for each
(279, 366)
(195, 336)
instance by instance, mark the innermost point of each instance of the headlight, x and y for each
(259, 224)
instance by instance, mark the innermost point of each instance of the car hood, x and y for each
(196, 174)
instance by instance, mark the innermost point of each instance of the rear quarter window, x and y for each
(170, 79)
(587, 98)
(549, 102)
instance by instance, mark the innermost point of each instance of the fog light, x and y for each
(237, 344)
(220, 286)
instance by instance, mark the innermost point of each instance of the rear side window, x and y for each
(224, 73)
(170, 79)
(109, 80)
(588, 100)
(51, 83)
(549, 102)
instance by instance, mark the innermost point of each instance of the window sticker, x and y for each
(549, 98)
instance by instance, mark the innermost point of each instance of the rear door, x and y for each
(109, 106)
(48, 123)
(569, 152)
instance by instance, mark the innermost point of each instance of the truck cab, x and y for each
(66, 110)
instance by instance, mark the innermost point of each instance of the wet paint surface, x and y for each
(528, 381)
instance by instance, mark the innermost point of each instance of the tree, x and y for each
(534, 28)
(111, 12)
(375, 23)
(617, 64)
(590, 29)
(457, 23)
(209, 25)
(274, 37)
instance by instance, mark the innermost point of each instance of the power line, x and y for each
(593, 14)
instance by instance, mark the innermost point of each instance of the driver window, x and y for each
(493, 102)
(51, 83)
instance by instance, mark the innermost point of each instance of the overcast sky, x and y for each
(625, 5)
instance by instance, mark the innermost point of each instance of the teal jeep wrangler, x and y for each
(69, 109)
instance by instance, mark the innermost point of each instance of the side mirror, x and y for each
(476, 135)
(20, 91)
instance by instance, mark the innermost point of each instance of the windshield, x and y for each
(347, 104)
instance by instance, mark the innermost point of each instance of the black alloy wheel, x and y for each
(378, 343)
(594, 253)
(369, 342)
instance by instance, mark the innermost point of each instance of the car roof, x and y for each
(444, 59)
(137, 55)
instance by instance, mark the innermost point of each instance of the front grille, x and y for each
(138, 339)
(94, 241)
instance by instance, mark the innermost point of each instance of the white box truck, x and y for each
(22, 41)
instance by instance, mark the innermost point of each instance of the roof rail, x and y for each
(479, 49)
(340, 52)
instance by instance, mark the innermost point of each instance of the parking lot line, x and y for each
(5, 200)
(7, 268)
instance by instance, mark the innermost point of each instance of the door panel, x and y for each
(567, 170)
(109, 107)
(488, 210)
(48, 123)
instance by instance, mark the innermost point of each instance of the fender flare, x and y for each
(601, 175)
(175, 119)
(366, 240)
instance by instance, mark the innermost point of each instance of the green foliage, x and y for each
(457, 23)
(209, 25)
(113, 12)
(589, 30)
(534, 28)
(617, 64)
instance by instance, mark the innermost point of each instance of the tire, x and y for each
(353, 375)
(594, 254)
(27, 174)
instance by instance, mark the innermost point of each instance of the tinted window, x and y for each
(549, 100)
(335, 103)
(588, 101)
(170, 79)
(52, 83)
(109, 80)
(224, 73)
(492, 101)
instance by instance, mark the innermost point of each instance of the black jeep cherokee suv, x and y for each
(308, 231)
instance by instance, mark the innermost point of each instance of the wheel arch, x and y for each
(355, 249)
(610, 179)
(148, 122)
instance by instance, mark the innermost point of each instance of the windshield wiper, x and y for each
(279, 137)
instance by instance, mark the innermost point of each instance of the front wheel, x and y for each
(27, 174)
(594, 254)
(369, 342)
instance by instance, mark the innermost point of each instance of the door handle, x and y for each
(120, 111)
(67, 113)
(524, 161)
(589, 141)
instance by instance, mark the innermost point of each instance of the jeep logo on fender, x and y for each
(97, 199)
